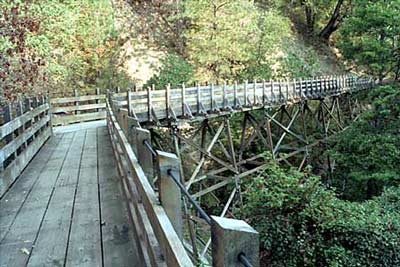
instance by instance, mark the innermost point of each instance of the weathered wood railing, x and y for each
(26, 128)
(74, 109)
(158, 242)
(158, 218)
(155, 105)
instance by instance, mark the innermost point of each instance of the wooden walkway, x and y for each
(66, 208)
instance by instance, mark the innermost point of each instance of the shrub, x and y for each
(301, 223)
(174, 70)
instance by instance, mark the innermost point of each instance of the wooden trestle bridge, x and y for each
(129, 188)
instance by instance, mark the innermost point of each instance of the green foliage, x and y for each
(301, 223)
(75, 41)
(74, 38)
(238, 40)
(21, 67)
(370, 37)
(367, 153)
(218, 42)
(174, 70)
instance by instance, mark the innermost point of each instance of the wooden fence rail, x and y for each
(185, 102)
(159, 243)
(75, 109)
(26, 128)
(163, 225)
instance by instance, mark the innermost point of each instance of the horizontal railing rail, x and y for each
(186, 102)
(75, 109)
(159, 244)
(160, 171)
(26, 127)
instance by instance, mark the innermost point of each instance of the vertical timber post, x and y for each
(255, 92)
(149, 103)
(230, 238)
(198, 97)
(212, 97)
(76, 102)
(167, 100)
(129, 101)
(170, 194)
(235, 103)
(224, 99)
(145, 157)
(183, 100)
(245, 93)
(263, 93)
(133, 123)
(98, 100)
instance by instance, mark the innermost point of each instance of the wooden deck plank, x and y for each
(84, 247)
(15, 197)
(12, 172)
(119, 247)
(73, 213)
(24, 229)
(51, 244)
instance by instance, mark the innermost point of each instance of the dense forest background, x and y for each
(304, 219)
(59, 45)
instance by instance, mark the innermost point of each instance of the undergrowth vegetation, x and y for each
(352, 222)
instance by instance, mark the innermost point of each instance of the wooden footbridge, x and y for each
(131, 190)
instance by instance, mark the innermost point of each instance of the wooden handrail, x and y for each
(168, 103)
(136, 182)
(22, 137)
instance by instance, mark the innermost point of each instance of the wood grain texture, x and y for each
(66, 208)
(172, 248)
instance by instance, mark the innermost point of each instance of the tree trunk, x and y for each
(333, 23)
(310, 18)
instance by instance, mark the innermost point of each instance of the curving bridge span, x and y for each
(130, 178)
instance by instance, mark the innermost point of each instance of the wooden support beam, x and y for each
(170, 193)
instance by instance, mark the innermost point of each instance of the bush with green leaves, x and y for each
(174, 70)
(367, 153)
(301, 223)
(370, 37)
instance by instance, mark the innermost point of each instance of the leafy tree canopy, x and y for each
(371, 37)
(367, 153)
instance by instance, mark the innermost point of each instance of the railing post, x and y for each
(287, 90)
(255, 92)
(263, 93)
(294, 89)
(235, 103)
(245, 93)
(273, 98)
(98, 100)
(20, 111)
(167, 100)
(144, 155)
(212, 108)
(198, 98)
(224, 98)
(8, 116)
(149, 103)
(129, 102)
(170, 193)
(76, 102)
(133, 123)
(230, 238)
(183, 99)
